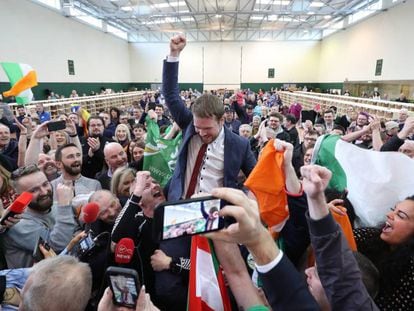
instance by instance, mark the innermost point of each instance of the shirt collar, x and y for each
(219, 138)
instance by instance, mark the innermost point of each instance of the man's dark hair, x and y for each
(333, 108)
(159, 106)
(95, 117)
(277, 115)
(339, 127)
(139, 126)
(329, 111)
(291, 118)
(311, 132)
(58, 154)
(118, 112)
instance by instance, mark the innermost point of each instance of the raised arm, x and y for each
(352, 136)
(178, 110)
(73, 134)
(284, 286)
(397, 141)
(36, 144)
(292, 182)
(376, 135)
(337, 268)
(22, 143)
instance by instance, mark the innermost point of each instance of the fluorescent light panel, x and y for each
(317, 4)
(166, 5)
(273, 2)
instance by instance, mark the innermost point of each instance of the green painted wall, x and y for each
(194, 86)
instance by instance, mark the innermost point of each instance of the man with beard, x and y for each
(48, 166)
(55, 224)
(69, 161)
(115, 157)
(92, 147)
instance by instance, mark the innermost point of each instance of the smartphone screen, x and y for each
(124, 285)
(86, 243)
(190, 217)
(56, 125)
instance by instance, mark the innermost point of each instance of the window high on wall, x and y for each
(117, 32)
(52, 3)
(365, 12)
(86, 18)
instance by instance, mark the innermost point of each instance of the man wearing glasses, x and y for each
(92, 147)
(54, 224)
(309, 140)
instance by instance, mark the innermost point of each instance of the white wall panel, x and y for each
(45, 40)
(352, 53)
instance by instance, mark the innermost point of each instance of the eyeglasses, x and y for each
(25, 170)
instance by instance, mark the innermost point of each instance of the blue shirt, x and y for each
(15, 278)
(44, 116)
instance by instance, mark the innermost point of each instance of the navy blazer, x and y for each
(286, 289)
(237, 153)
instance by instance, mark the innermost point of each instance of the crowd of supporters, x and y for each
(308, 263)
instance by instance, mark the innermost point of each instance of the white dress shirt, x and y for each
(212, 169)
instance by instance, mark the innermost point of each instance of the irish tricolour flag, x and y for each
(22, 78)
(375, 180)
(207, 290)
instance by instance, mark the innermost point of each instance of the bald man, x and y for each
(407, 148)
(8, 146)
(115, 157)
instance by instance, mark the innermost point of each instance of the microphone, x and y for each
(124, 251)
(90, 213)
(17, 207)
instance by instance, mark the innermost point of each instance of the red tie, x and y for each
(196, 170)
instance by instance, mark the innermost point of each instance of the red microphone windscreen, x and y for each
(124, 250)
(21, 202)
(90, 212)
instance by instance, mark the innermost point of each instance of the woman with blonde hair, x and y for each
(121, 182)
(123, 135)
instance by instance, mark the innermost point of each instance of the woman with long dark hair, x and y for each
(391, 249)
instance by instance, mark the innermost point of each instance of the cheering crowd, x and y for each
(319, 255)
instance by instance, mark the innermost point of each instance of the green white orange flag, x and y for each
(22, 78)
(207, 291)
(375, 180)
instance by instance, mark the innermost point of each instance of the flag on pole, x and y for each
(22, 78)
(375, 180)
(84, 115)
(207, 291)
